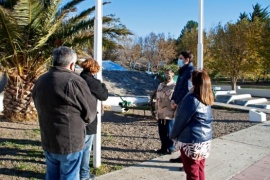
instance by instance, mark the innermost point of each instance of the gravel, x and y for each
(127, 139)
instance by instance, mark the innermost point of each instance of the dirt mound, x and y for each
(129, 83)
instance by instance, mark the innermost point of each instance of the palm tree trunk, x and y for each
(18, 103)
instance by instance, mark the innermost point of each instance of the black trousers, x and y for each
(164, 130)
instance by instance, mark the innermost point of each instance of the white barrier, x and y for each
(256, 116)
(1, 102)
(254, 92)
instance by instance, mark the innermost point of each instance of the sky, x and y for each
(170, 16)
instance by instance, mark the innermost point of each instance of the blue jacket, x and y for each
(181, 88)
(193, 121)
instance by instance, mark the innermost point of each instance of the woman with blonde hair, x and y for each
(100, 92)
(193, 126)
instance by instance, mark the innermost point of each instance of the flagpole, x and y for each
(200, 37)
(98, 58)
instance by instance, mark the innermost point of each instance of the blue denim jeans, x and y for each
(63, 166)
(164, 130)
(85, 167)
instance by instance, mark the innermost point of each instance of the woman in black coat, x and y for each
(100, 92)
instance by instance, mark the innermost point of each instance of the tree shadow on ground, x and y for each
(124, 150)
(133, 137)
(21, 153)
(21, 129)
(21, 173)
(20, 141)
(21, 158)
(234, 121)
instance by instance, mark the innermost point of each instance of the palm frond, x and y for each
(82, 16)
(70, 6)
(85, 39)
(42, 14)
(78, 28)
(9, 37)
(22, 13)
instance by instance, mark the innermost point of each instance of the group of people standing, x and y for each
(183, 110)
(66, 104)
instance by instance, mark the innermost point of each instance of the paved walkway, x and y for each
(242, 155)
(259, 171)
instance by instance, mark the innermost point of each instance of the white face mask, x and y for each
(180, 62)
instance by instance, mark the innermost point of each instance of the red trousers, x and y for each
(194, 169)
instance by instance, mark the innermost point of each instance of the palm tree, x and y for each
(29, 30)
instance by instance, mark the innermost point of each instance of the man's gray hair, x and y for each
(63, 56)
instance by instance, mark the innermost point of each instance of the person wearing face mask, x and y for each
(165, 113)
(100, 92)
(183, 84)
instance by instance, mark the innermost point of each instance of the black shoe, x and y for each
(92, 177)
(161, 151)
(169, 152)
(176, 160)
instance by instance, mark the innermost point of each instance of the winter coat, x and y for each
(193, 121)
(100, 92)
(163, 100)
(64, 105)
(182, 83)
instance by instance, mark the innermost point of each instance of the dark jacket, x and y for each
(181, 88)
(64, 105)
(100, 92)
(193, 121)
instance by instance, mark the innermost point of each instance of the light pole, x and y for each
(200, 37)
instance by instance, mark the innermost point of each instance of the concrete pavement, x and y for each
(240, 155)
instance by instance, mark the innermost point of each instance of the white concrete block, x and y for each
(1, 101)
(257, 116)
(217, 88)
(223, 92)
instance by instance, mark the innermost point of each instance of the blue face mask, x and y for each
(180, 62)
